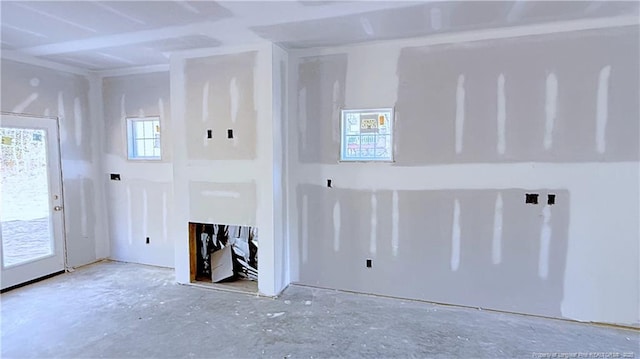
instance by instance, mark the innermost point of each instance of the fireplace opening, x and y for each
(224, 256)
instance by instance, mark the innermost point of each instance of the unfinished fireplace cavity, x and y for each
(224, 256)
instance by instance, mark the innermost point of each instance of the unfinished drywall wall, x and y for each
(220, 95)
(138, 95)
(229, 202)
(479, 124)
(439, 245)
(140, 202)
(140, 209)
(531, 118)
(218, 179)
(38, 91)
(319, 77)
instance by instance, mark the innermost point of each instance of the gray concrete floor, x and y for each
(119, 310)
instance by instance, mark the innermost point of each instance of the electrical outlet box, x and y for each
(531, 198)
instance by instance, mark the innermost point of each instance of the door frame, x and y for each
(30, 270)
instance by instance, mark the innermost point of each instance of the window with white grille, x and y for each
(367, 135)
(144, 138)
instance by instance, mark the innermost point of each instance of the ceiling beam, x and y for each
(129, 38)
(30, 60)
(228, 31)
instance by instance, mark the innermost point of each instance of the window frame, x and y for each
(132, 138)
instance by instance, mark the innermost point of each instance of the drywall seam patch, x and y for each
(163, 126)
(436, 18)
(335, 124)
(129, 214)
(593, 7)
(225, 194)
(305, 228)
(456, 175)
(336, 226)
(61, 118)
(164, 217)
(501, 117)
(460, 97)
(161, 112)
(19, 108)
(602, 108)
(34, 61)
(496, 243)
(77, 118)
(123, 109)
(395, 228)
(455, 236)
(366, 26)
(234, 98)
(374, 224)
(145, 213)
(58, 18)
(302, 115)
(545, 242)
(135, 70)
(550, 107)
(120, 13)
(189, 7)
(83, 209)
(205, 102)
(516, 11)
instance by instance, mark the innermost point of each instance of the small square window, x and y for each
(143, 136)
(367, 135)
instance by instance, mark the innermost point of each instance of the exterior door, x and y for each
(31, 216)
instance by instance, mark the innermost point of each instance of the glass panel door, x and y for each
(30, 195)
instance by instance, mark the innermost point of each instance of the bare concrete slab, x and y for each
(121, 310)
(239, 286)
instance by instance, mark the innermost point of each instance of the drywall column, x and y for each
(280, 190)
(265, 215)
(221, 179)
(179, 227)
(96, 107)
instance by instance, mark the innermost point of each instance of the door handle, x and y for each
(57, 208)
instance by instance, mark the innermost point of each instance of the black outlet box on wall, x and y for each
(531, 198)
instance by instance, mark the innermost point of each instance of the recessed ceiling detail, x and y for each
(104, 35)
(181, 43)
(433, 18)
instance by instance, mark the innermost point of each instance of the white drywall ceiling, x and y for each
(103, 35)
